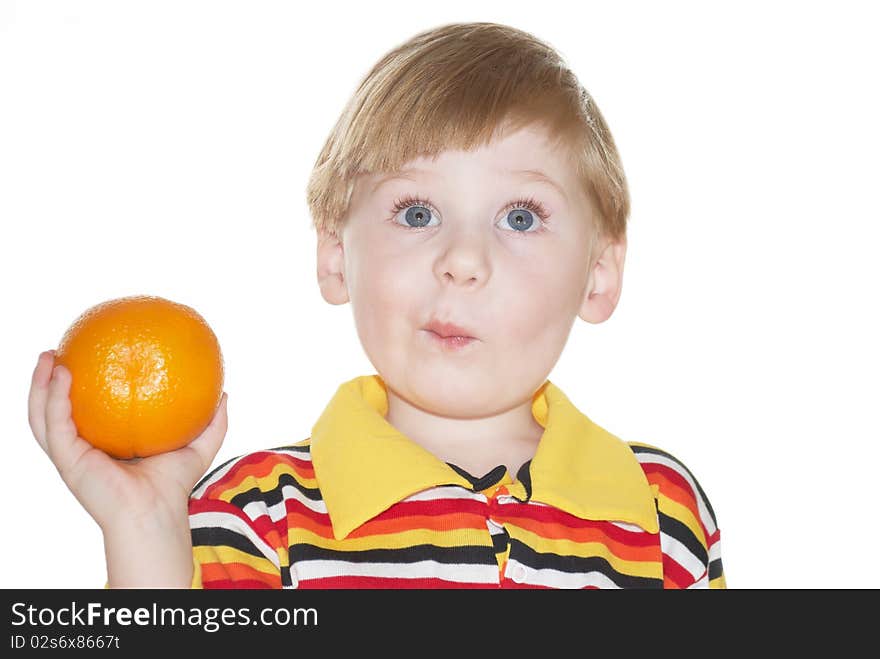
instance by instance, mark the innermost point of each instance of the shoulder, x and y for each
(258, 473)
(677, 489)
(689, 534)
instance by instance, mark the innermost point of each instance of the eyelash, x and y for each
(528, 203)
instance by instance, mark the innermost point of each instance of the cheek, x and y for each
(381, 291)
(541, 307)
(531, 329)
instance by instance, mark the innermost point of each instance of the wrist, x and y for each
(151, 551)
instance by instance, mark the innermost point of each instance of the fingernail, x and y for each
(55, 372)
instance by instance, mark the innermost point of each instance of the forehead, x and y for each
(526, 154)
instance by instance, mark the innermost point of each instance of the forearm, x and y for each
(150, 553)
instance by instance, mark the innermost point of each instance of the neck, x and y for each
(477, 445)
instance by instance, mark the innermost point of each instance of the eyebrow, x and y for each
(532, 174)
(540, 177)
(402, 173)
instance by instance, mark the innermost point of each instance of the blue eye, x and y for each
(525, 215)
(418, 216)
(520, 219)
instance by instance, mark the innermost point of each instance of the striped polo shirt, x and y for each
(360, 505)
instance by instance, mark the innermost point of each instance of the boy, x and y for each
(470, 204)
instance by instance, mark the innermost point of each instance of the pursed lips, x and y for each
(447, 330)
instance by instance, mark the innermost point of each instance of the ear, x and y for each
(331, 268)
(604, 283)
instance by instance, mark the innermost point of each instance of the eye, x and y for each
(418, 216)
(418, 213)
(520, 219)
(524, 214)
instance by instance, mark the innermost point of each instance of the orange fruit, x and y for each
(147, 375)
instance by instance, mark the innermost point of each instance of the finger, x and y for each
(208, 443)
(38, 395)
(61, 435)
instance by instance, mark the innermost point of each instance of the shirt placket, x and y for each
(498, 501)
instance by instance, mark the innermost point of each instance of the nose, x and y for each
(465, 260)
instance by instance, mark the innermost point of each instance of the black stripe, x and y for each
(715, 569)
(651, 449)
(217, 536)
(679, 531)
(292, 448)
(211, 473)
(656, 451)
(469, 554)
(578, 565)
(500, 541)
(275, 495)
(481, 483)
(524, 476)
(285, 576)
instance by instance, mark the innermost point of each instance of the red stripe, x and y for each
(238, 574)
(672, 475)
(676, 477)
(382, 525)
(243, 584)
(388, 582)
(258, 463)
(512, 585)
(674, 575)
(435, 507)
(549, 515)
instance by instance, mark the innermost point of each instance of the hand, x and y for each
(150, 492)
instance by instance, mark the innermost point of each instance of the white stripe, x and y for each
(297, 452)
(305, 457)
(278, 511)
(682, 555)
(446, 492)
(556, 579)
(291, 492)
(494, 527)
(703, 582)
(233, 523)
(458, 573)
(653, 458)
(197, 494)
(626, 526)
(292, 452)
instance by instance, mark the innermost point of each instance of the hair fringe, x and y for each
(458, 86)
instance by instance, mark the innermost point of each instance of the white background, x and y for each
(164, 148)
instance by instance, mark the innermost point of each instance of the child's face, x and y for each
(514, 281)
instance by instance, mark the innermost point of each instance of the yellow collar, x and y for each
(364, 465)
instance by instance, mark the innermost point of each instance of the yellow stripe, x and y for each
(266, 483)
(683, 514)
(719, 583)
(399, 540)
(225, 554)
(566, 547)
(197, 574)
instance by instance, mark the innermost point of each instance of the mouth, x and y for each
(449, 330)
(449, 335)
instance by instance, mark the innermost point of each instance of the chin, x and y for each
(451, 396)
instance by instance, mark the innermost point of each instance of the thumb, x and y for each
(208, 443)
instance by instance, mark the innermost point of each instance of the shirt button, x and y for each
(518, 573)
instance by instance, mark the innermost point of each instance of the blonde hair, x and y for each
(454, 87)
